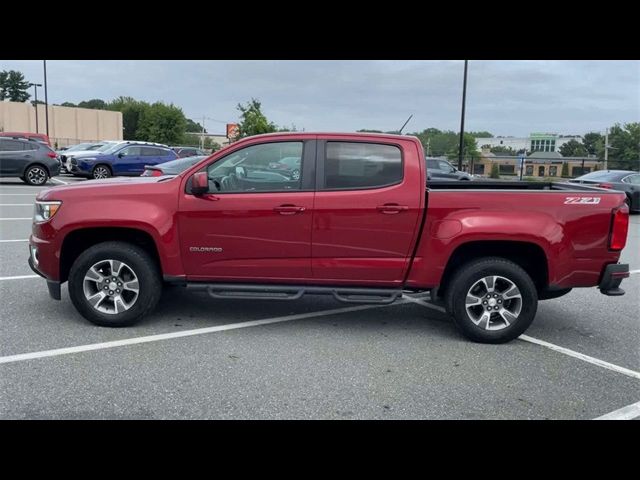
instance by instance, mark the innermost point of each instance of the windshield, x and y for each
(110, 147)
(80, 146)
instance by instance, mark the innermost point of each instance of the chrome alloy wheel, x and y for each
(101, 172)
(111, 286)
(36, 176)
(493, 302)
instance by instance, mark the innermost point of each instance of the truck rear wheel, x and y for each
(114, 284)
(491, 300)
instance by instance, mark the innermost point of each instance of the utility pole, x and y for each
(606, 148)
(202, 135)
(464, 98)
(46, 99)
(35, 89)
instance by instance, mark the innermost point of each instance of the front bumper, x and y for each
(52, 285)
(612, 278)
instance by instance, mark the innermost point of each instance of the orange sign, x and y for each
(232, 130)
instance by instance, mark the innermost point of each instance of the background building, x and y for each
(67, 125)
(535, 142)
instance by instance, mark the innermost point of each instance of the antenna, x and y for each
(405, 124)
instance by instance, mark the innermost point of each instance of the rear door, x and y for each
(13, 156)
(366, 211)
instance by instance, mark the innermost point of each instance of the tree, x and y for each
(593, 143)
(573, 148)
(68, 104)
(481, 134)
(625, 143)
(495, 171)
(13, 86)
(565, 170)
(162, 123)
(210, 144)
(503, 149)
(132, 111)
(252, 120)
(95, 104)
(194, 127)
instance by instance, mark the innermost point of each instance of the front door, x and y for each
(254, 224)
(127, 160)
(366, 213)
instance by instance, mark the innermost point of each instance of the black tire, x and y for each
(101, 171)
(35, 175)
(463, 280)
(144, 267)
(551, 294)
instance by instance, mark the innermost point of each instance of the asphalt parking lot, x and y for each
(202, 358)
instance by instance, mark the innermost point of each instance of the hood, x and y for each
(108, 186)
(82, 153)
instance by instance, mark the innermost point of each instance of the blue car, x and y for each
(123, 158)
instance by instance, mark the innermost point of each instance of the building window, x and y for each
(507, 169)
(577, 171)
(553, 171)
(529, 170)
(478, 168)
(541, 171)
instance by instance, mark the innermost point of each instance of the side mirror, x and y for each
(199, 183)
(120, 155)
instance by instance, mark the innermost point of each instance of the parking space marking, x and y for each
(634, 272)
(20, 277)
(582, 356)
(16, 240)
(60, 181)
(551, 346)
(19, 194)
(16, 218)
(16, 204)
(184, 333)
(625, 413)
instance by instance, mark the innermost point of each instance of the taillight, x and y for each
(619, 228)
(605, 185)
(51, 154)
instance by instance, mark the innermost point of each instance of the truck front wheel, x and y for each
(491, 300)
(114, 284)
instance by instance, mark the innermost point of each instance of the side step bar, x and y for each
(381, 296)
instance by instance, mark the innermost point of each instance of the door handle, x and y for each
(289, 209)
(392, 208)
(211, 198)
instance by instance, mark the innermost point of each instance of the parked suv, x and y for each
(31, 161)
(442, 170)
(123, 158)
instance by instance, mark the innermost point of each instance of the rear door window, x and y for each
(359, 165)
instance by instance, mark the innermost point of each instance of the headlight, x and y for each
(44, 211)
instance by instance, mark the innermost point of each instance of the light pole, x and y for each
(35, 89)
(46, 99)
(464, 99)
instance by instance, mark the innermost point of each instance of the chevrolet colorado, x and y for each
(358, 223)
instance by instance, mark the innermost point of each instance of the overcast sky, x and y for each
(504, 97)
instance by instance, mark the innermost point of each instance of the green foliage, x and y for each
(364, 130)
(68, 104)
(132, 111)
(252, 120)
(625, 143)
(503, 149)
(162, 123)
(446, 143)
(495, 171)
(565, 169)
(95, 104)
(194, 127)
(210, 144)
(573, 148)
(593, 143)
(13, 86)
(481, 134)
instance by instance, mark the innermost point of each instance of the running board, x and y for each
(382, 296)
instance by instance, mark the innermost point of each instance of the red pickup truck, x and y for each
(358, 222)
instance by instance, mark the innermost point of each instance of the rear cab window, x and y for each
(360, 165)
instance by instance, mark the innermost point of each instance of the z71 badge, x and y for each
(582, 200)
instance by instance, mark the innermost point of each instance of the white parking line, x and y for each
(16, 204)
(17, 218)
(184, 333)
(17, 240)
(625, 413)
(551, 346)
(19, 277)
(60, 181)
(634, 272)
(19, 194)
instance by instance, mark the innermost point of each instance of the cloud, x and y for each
(504, 97)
